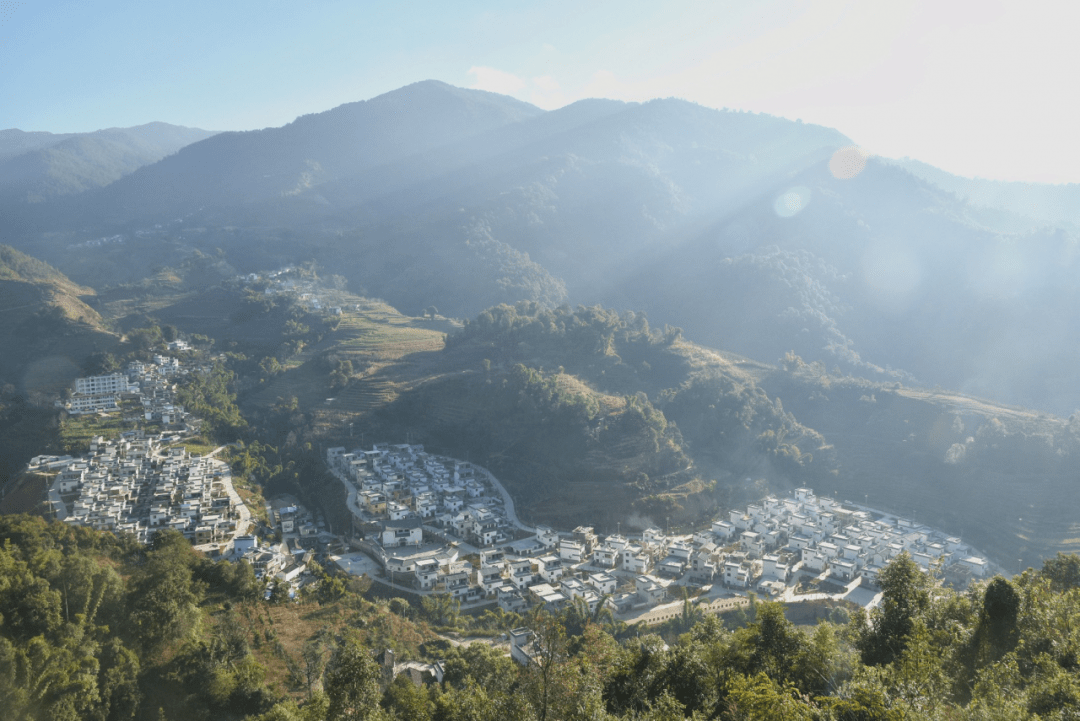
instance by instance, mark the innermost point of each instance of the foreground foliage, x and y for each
(96, 627)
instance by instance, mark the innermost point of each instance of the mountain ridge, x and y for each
(37, 167)
(732, 225)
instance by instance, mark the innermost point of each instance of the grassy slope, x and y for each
(42, 311)
(389, 352)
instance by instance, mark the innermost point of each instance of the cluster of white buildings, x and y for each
(762, 547)
(275, 561)
(818, 535)
(404, 488)
(132, 484)
(153, 383)
(287, 280)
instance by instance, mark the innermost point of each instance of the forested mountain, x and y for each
(244, 167)
(35, 167)
(1009, 204)
(16, 142)
(754, 234)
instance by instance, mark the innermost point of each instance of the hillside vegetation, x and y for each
(96, 627)
(1001, 477)
(590, 417)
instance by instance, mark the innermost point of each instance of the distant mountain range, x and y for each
(1016, 204)
(36, 166)
(734, 226)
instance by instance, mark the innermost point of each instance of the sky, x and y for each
(982, 89)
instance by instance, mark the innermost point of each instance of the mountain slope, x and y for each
(16, 142)
(730, 225)
(37, 166)
(46, 329)
(241, 167)
(1035, 203)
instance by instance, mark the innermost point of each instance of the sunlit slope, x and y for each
(591, 417)
(46, 329)
(388, 351)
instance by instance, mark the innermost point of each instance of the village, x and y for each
(138, 482)
(288, 280)
(143, 481)
(428, 524)
(434, 525)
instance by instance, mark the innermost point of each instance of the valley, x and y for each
(596, 418)
(583, 383)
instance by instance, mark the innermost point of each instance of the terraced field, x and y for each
(389, 352)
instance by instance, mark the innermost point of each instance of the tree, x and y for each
(162, 600)
(776, 643)
(1063, 571)
(441, 608)
(314, 659)
(1001, 605)
(352, 681)
(280, 592)
(481, 663)
(407, 700)
(761, 699)
(549, 644)
(905, 595)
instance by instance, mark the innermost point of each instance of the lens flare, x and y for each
(848, 162)
(792, 201)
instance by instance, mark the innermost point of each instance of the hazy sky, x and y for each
(978, 88)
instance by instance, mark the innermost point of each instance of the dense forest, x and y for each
(93, 626)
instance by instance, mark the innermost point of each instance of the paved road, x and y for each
(243, 523)
(511, 514)
(350, 491)
(59, 509)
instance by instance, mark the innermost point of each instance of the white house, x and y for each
(406, 532)
(602, 582)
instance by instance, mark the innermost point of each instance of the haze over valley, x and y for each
(845, 280)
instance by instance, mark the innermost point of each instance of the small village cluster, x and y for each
(137, 483)
(404, 487)
(420, 511)
(134, 484)
(153, 384)
(310, 293)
